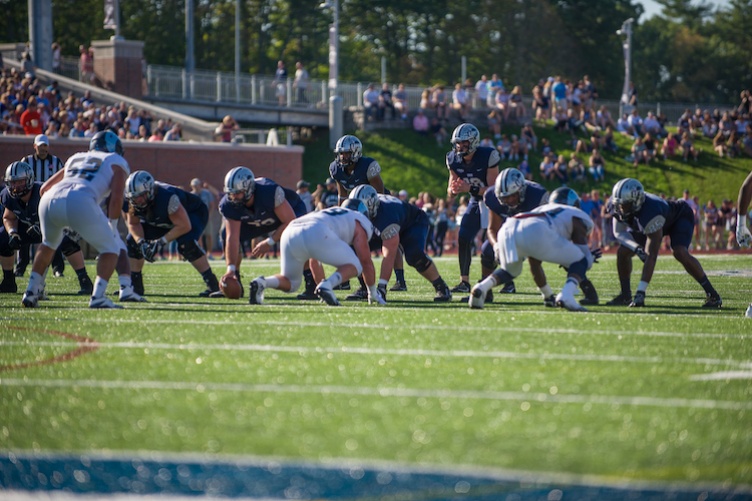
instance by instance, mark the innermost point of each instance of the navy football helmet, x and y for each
(465, 132)
(627, 197)
(106, 141)
(348, 144)
(19, 177)
(368, 195)
(139, 183)
(240, 180)
(510, 182)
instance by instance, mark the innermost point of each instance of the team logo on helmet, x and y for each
(627, 197)
(510, 182)
(348, 150)
(463, 133)
(139, 183)
(19, 177)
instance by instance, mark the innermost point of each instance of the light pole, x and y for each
(626, 32)
(335, 101)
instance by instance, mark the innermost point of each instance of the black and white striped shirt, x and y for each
(43, 169)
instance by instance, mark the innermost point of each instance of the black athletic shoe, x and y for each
(443, 295)
(344, 286)
(8, 286)
(622, 299)
(399, 287)
(209, 292)
(358, 295)
(19, 272)
(712, 301)
(591, 295)
(87, 288)
(550, 301)
(461, 287)
(508, 288)
(137, 280)
(308, 296)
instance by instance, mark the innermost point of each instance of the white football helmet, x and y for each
(348, 144)
(368, 195)
(240, 180)
(19, 171)
(627, 197)
(510, 182)
(139, 183)
(565, 196)
(462, 133)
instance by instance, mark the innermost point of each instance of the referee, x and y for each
(44, 165)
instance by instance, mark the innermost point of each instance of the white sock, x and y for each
(570, 287)
(546, 291)
(125, 281)
(272, 282)
(100, 287)
(488, 283)
(335, 279)
(36, 283)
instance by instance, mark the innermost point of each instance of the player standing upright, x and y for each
(472, 168)
(743, 236)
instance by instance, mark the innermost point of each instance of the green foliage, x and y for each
(416, 163)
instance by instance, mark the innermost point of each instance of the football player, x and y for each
(70, 199)
(20, 199)
(556, 232)
(743, 236)
(641, 220)
(334, 236)
(472, 168)
(254, 207)
(404, 225)
(156, 214)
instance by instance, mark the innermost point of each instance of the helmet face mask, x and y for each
(465, 139)
(139, 189)
(106, 141)
(240, 183)
(510, 187)
(348, 150)
(19, 177)
(627, 197)
(370, 198)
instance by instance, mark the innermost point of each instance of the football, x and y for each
(231, 288)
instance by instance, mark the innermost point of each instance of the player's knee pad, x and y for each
(487, 255)
(295, 284)
(579, 268)
(69, 246)
(134, 250)
(190, 250)
(421, 262)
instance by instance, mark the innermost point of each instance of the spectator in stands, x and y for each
(650, 148)
(575, 169)
(528, 139)
(502, 103)
(596, 165)
(280, 83)
(420, 123)
(303, 191)
(493, 87)
(438, 102)
(603, 118)
(439, 131)
(460, 101)
(687, 147)
(226, 128)
(425, 99)
(400, 102)
(560, 169)
(547, 170)
(624, 127)
(517, 109)
(746, 146)
(559, 90)
(713, 225)
(156, 136)
(300, 84)
(175, 133)
(670, 146)
(541, 105)
(56, 54)
(30, 119)
(386, 102)
(719, 144)
(371, 102)
(86, 64)
(636, 123)
(481, 92)
(505, 148)
(652, 125)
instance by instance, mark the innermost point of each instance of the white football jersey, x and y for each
(561, 217)
(92, 170)
(338, 220)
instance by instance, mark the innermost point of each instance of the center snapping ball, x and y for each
(231, 288)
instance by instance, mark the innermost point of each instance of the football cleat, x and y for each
(638, 301)
(477, 298)
(307, 296)
(358, 295)
(257, 287)
(128, 295)
(344, 286)
(508, 288)
(712, 301)
(19, 272)
(103, 303)
(623, 299)
(591, 295)
(550, 301)
(211, 293)
(30, 300)
(8, 286)
(443, 295)
(86, 286)
(569, 303)
(398, 287)
(216, 294)
(137, 280)
(325, 292)
(58, 274)
(461, 287)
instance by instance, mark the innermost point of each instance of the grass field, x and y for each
(413, 400)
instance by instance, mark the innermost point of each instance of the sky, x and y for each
(652, 8)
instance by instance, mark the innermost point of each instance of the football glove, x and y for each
(743, 235)
(638, 301)
(34, 232)
(73, 235)
(149, 248)
(597, 254)
(382, 291)
(14, 241)
(550, 301)
(375, 297)
(641, 254)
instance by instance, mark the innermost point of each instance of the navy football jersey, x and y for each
(266, 197)
(655, 213)
(535, 195)
(26, 212)
(395, 216)
(366, 168)
(475, 172)
(158, 211)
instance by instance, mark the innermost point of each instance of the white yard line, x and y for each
(384, 392)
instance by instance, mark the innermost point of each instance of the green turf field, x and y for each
(660, 394)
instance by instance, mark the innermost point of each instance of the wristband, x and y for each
(13, 232)
(642, 286)
(741, 221)
(270, 241)
(230, 268)
(383, 282)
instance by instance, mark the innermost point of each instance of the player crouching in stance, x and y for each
(158, 213)
(20, 198)
(641, 220)
(556, 232)
(335, 236)
(401, 224)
